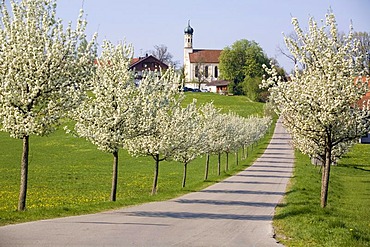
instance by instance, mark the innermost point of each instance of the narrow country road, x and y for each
(235, 212)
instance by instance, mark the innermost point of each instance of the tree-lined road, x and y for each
(235, 212)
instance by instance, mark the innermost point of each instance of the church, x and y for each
(201, 66)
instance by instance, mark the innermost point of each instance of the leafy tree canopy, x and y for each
(243, 59)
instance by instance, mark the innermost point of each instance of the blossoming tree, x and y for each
(231, 133)
(208, 115)
(215, 143)
(187, 136)
(156, 102)
(105, 117)
(320, 104)
(43, 71)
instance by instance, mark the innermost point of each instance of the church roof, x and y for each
(205, 56)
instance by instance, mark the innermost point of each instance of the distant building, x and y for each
(219, 86)
(201, 66)
(147, 63)
(364, 101)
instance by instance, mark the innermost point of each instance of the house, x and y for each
(219, 86)
(147, 63)
(201, 66)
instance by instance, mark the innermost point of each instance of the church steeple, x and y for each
(188, 36)
(188, 49)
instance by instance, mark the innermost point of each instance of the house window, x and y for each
(206, 72)
(196, 71)
(216, 72)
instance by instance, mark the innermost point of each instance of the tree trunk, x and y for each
(156, 170)
(325, 177)
(24, 175)
(184, 175)
(243, 152)
(207, 167)
(236, 158)
(219, 165)
(114, 177)
(227, 162)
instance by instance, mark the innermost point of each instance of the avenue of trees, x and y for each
(321, 104)
(50, 73)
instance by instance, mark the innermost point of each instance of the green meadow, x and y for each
(300, 221)
(69, 176)
(241, 105)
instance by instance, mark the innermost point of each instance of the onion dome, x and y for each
(189, 29)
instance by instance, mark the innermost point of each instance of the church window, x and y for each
(206, 72)
(196, 71)
(216, 72)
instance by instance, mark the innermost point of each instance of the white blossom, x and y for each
(187, 133)
(43, 69)
(104, 118)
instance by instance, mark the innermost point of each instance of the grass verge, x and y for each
(300, 221)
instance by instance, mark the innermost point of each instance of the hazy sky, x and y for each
(216, 23)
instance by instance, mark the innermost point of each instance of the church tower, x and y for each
(188, 36)
(188, 48)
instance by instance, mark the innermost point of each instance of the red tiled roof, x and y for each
(205, 56)
(135, 60)
(366, 98)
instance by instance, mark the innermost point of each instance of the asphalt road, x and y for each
(235, 212)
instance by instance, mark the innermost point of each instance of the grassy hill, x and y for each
(241, 105)
(69, 176)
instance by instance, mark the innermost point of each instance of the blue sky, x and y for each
(216, 23)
